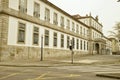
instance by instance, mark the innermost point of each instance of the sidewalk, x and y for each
(81, 60)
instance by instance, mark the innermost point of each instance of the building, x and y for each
(97, 42)
(115, 46)
(108, 49)
(28, 25)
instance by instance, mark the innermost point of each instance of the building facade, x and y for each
(97, 41)
(28, 25)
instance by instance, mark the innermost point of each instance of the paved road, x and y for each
(84, 72)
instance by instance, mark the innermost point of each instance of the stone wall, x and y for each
(3, 35)
(24, 53)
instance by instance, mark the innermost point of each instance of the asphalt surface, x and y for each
(85, 72)
(84, 68)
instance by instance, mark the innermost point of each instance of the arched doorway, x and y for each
(97, 47)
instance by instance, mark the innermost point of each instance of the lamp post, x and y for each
(41, 48)
(72, 53)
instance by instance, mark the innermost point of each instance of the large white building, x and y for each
(25, 23)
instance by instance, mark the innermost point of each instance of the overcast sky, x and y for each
(107, 10)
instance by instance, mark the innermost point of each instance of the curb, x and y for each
(109, 75)
(24, 65)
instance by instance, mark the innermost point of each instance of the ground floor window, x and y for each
(84, 45)
(55, 40)
(36, 35)
(46, 38)
(62, 40)
(21, 32)
(77, 46)
(73, 42)
(81, 44)
(68, 41)
(87, 45)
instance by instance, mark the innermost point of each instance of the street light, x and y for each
(41, 48)
(72, 53)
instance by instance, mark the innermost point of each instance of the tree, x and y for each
(116, 32)
(118, 1)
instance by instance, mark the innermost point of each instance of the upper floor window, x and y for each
(87, 32)
(62, 21)
(47, 14)
(21, 32)
(23, 6)
(46, 38)
(73, 26)
(68, 24)
(81, 30)
(55, 18)
(36, 35)
(77, 28)
(84, 31)
(36, 10)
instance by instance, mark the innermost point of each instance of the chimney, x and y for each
(96, 18)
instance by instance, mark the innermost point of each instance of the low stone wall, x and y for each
(23, 53)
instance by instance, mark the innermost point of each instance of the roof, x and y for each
(77, 16)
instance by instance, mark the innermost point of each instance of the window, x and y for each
(55, 39)
(36, 35)
(93, 46)
(55, 19)
(46, 38)
(81, 30)
(68, 24)
(73, 26)
(77, 29)
(77, 44)
(84, 31)
(84, 45)
(36, 10)
(68, 41)
(21, 32)
(62, 21)
(23, 6)
(73, 42)
(81, 44)
(47, 15)
(87, 33)
(87, 45)
(62, 40)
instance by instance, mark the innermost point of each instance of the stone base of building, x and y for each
(23, 53)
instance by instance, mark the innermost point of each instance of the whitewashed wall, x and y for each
(13, 26)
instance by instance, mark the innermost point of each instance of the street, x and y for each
(71, 72)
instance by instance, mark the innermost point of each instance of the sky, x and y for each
(107, 10)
